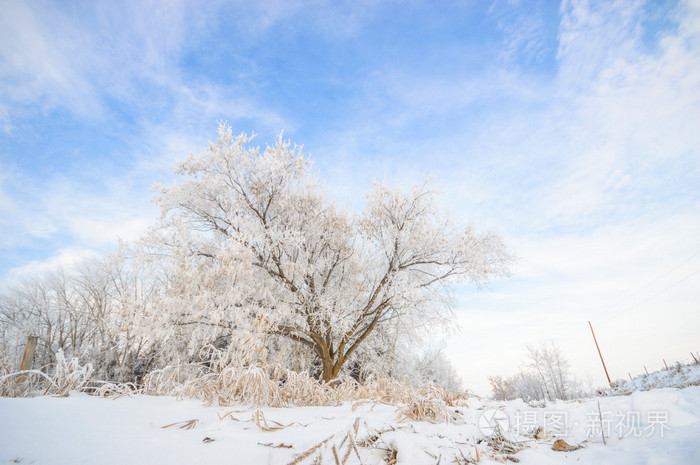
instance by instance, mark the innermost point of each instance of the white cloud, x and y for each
(635, 120)
(197, 103)
(39, 62)
(90, 212)
(615, 205)
(19, 222)
(594, 35)
(80, 58)
(63, 258)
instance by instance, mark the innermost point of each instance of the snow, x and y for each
(82, 429)
(676, 376)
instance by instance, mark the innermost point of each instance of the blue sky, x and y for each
(571, 129)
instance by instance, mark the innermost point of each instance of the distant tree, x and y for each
(249, 237)
(553, 370)
(523, 385)
(547, 376)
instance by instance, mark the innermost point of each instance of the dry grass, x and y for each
(262, 422)
(114, 390)
(431, 410)
(338, 448)
(187, 424)
(274, 386)
(255, 385)
(501, 446)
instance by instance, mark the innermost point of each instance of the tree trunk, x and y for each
(327, 366)
(330, 370)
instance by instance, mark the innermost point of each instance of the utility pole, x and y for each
(599, 353)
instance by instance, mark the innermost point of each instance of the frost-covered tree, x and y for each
(523, 385)
(553, 369)
(98, 311)
(547, 376)
(250, 239)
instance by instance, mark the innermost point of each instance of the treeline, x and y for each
(109, 313)
(99, 312)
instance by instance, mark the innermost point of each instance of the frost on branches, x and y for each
(251, 241)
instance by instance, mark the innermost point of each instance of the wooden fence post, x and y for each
(28, 357)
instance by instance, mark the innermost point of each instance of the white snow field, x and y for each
(660, 426)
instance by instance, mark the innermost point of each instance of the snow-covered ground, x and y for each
(679, 376)
(654, 427)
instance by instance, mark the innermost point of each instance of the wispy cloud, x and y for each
(89, 59)
(38, 47)
(524, 29)
(62, 259)
(594, 36)
(620, 209)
